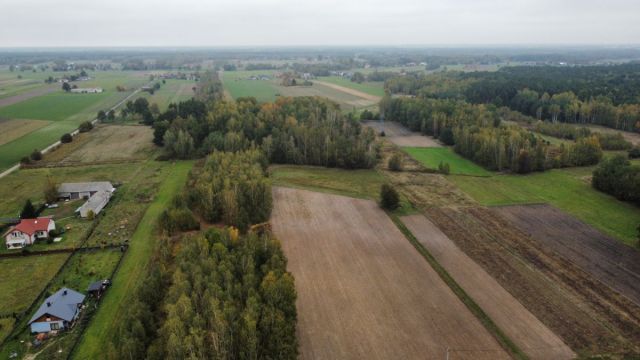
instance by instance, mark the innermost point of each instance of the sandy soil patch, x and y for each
(402, 136)
(350, 91)
(524, 329)
(364, 292)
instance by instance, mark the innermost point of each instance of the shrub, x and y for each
(634, 153)
(389, 198)
(25, 160)
(36, 155)
(443, 168)
(396, 162)
(66, 138)
(382, 134)
(85, 126)
(446, 137)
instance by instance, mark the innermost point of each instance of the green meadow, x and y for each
(431, 158)
(369, 87)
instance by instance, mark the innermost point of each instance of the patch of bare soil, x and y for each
(524, 329)
(584, 312)
(28, 95)
(608, 260)
(364, 292)
(400, 135)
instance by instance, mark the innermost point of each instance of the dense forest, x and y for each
(477, 133)
(602, 95)
(304, 130)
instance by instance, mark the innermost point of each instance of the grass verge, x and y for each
(486, 321)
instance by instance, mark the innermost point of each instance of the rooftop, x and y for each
(63, 304)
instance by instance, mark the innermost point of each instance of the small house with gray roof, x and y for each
(57, 312)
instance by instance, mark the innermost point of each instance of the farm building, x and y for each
(85, 190)
(57, 312)
(87, 90)
(95, 204)
(28, 231)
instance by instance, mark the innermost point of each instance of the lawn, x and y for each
(567, 189)
(431, 158)
(22, 278)
(371, 88)
(6, 325)
(131, 272)
(173, 91)
(363, 183)
(86, 267)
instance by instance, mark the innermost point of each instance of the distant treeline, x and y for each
(603, 95)
(476, 132)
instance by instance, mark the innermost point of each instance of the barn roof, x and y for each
(95, 202)
(63, 304)
(85, 187)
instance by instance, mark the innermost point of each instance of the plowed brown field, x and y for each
(402, 136)
(364, 292)
(524, 329)
(610, 261)
(579, 308)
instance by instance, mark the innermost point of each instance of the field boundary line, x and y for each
(475, 309)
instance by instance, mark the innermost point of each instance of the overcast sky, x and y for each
(27, 23)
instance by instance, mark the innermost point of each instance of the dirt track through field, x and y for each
(610, 261)
(350, 91)
(400, 135)
(364, 292)
(28, 95)
(526, 331)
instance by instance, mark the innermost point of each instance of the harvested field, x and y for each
(106, 143)
(364, 292)
(350, 91)
(528, 333)
(608, 260)
(402, 136)
(14, 129)
(28, 95)
(582, 311)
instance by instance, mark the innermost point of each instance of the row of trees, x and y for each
(616, 176)
(230, 298)
(304, 130)
(232, 188)
(608, 141)
(477, 133)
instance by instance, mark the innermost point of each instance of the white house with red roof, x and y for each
(28, 231)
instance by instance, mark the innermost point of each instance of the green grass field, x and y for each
(131, 272)
(67, 111)
(238, 85)
(173, 91)
(22, 278)
(431, 158)
(371, 88)
(364, 184)
(567, 189)
(86, 267)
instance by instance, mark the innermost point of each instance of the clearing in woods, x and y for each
(400, 135)
(613, 263)
(106, 143)
(432, 157)
(526, 331)
(363, 290)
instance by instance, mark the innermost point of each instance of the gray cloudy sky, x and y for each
(28, 23)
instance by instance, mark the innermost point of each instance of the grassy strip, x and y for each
(130, 274)
(502, 338)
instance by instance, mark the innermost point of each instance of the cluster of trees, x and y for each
(616, 176)
(232, 187)
(178, 217)
(477, 133)
(608, 141)
(230, 298)
(304, 130)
